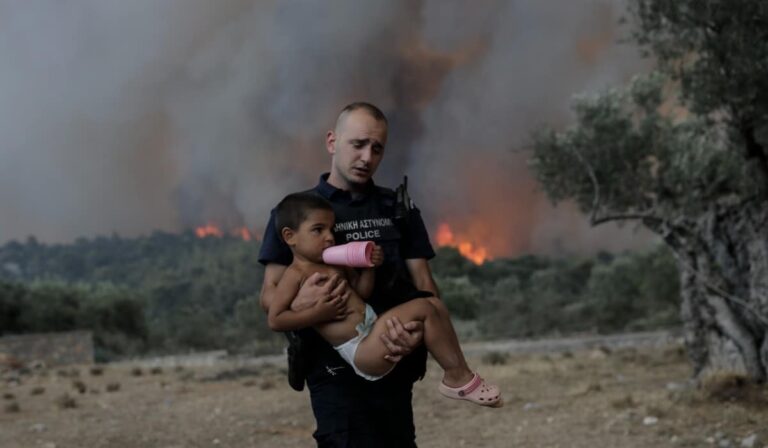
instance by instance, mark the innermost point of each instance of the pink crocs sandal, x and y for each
(476, 390)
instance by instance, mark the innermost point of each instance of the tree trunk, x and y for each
(724, 288)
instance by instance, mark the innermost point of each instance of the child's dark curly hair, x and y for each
(294, 208)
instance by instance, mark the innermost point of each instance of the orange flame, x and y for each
(474, 253)
(208, 230)
(243, 233)
(444, 235)
(212, 230)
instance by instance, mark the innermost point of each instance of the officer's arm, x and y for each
(272, 274)
(422, 275)
(316, 288)
(281, 317)
(401, 338)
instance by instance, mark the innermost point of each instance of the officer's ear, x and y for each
(288, 235)
(330, 142)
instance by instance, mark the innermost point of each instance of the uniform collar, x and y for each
(328, 191)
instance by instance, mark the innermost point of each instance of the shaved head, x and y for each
(369, 108)
(356, 146)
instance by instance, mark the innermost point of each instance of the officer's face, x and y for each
(313, 235)
(357, 147)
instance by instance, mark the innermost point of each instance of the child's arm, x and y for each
(282, 318)
(364, 281)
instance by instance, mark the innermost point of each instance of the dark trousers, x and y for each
(356, 413)
(352, 412)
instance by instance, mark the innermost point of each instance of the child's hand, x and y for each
(377, 256)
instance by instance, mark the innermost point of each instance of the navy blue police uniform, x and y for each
(352, 411)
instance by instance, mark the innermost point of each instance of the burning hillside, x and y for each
(214, 231)
(466, 245)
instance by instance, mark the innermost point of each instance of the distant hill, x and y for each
(195, 292)
(125, 261)
(173, 292)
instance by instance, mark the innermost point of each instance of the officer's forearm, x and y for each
(422, 275)
(267, 295)
(427, 284)
(272, 275)
(288, 320)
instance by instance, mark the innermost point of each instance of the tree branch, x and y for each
(593, 219)
(627, 217)
(595, 185)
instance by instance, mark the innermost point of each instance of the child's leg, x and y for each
(477, 390)
(439, 337)
(442, 310)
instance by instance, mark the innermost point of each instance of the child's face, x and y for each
(313, 235)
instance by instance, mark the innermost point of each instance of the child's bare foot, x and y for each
(476, 390)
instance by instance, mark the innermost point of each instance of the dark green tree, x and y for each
(682, 151)
(460, 295)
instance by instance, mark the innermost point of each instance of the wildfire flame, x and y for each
(208, 230)
(212, 230)
(474, 253)
(244, 233)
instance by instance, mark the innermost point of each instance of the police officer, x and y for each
(351, 411)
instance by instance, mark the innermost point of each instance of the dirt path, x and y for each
(582, 395)
(575, 343)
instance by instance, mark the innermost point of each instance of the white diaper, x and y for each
(347, 350)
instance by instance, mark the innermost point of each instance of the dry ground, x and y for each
(628, 397)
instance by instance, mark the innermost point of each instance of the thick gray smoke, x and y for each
(134, 116)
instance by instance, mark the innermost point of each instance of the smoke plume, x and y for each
(133, 116)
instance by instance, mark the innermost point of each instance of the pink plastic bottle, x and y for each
(356, 254)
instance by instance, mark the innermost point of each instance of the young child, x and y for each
(305, 222)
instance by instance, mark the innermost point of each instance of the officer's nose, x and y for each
(365, 154)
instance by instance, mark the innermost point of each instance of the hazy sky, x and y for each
(132, 116)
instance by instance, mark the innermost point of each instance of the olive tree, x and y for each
(682, 150)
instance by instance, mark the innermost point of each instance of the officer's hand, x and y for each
(330, 308)
(377, 256)
(342, 310)
(401, 339)
(338, 287)
(317, 287)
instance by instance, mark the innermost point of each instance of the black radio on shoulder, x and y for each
(403, 204)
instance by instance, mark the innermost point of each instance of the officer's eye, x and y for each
(359, 144)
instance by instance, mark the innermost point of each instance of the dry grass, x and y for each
(628, 398)
(37, 390)
(79, 386)
(66, 401)
(12, 407)
(734, 388)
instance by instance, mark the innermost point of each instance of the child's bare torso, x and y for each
(336, 332)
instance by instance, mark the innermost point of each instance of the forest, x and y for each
(171, 293)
